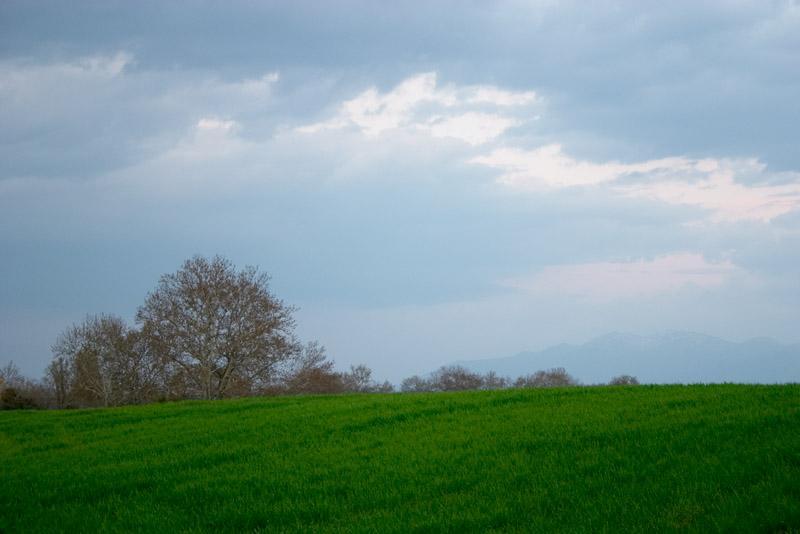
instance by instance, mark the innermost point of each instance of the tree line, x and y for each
(210, 331)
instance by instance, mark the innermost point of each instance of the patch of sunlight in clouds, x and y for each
(473, 128)
(726, 199)
(713, 185)
(419, 103)
(548, 167)
(480, 114)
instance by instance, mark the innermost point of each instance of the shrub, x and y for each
(11, 399)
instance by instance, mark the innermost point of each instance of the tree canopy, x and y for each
(216, 326)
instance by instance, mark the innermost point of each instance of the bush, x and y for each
(11, 399)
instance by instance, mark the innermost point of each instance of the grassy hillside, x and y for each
(706, 458)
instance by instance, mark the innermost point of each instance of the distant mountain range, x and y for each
(672, 357)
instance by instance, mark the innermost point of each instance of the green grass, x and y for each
(662, 458)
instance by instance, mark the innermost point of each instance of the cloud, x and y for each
(212, 138)
(549, 167)
(629, 279)
(17, 74)
(373, 112)
(211, 124)
(138, 161)
(719, 193)
(84, 116)
(107, 65)
(728, 189)
(488, 94)
(473, 128)
(419, 103)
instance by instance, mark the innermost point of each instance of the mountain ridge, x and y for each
(666, 357)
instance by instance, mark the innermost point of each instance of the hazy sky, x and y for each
(427, 181)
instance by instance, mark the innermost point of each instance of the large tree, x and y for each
(218, 328)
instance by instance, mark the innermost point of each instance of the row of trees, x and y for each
(77, 383)
(210, 331)
(458, 378)
(207, 331)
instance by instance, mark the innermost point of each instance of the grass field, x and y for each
(702, 458)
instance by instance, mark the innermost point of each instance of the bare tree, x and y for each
(10, 376)
(557, 377)
(217, 326)
(312, 372)
(492, 380)
(384, 387)
(624, 380)
(416, 384)
(59, 377)
(146, 377)
(455, 378)
(359, 380)
(101, 361)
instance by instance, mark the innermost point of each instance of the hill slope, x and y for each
(580, 459)
(674, 357)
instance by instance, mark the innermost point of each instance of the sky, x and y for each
(425, 181)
